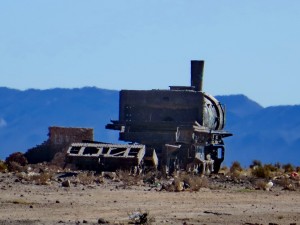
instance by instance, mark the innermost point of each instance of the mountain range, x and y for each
(268, 134)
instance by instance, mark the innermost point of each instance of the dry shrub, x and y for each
(255, 163)
(235, 170)
(41, 179)
(128, 179)
(236, 167)
(261, 171)
(186, 182)
(224, 170)
(272, 168)
(286, 183)
(16, 161)
(86, 178)
(194, 182)
(3, 166)
(36, 178)
(288, 168)
(260, 184)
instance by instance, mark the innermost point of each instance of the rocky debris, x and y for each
(139, 217)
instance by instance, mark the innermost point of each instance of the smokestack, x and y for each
(197, 74)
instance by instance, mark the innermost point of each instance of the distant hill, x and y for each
(269, 134)
(26, 115)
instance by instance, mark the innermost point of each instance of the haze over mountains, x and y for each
(270, 134)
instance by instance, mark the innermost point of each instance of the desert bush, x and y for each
(260, 184)
(193, 182)
(128, 179)
(288, 167)
(36, 178)
(235, 169)
(197, 182)
(271, 167)
(3, 166)
(255, 163)
(41, 179)
(286, 183)
(236, 166)
(224, 170)
(86, 178)
(16, 161)
(261, 172)
(298, 169)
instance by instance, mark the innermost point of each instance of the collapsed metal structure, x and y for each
(179, 128)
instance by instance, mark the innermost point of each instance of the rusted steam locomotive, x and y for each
(179, 128)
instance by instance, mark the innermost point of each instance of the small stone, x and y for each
(66, 183)
(57, 201)
(102, 221)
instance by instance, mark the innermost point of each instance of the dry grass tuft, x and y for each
(36, 178)
(186, 182)
(42, 179)
(3, 166)
(235, 167)
(260, 184)
(193, 182)
(261, 171)
(86, 178)
(288, 168)
(235, 170)
(286, 183)
(255, 163)
(129, 179)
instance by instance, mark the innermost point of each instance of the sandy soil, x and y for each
(26, 203)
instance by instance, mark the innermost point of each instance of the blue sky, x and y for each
(249, 47)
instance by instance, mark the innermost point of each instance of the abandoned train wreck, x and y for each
(179, 128)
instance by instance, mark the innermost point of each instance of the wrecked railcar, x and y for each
(109, 157)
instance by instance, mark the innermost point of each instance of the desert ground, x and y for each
(73, 198)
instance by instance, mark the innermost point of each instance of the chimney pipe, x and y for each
(197, 74)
